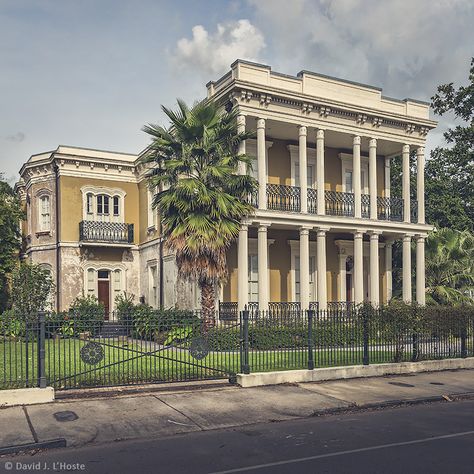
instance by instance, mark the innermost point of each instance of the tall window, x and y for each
(312, 266)
(44, 213)
(153, 286)
(309, 174)
(253, 278)
(102, 204)
(151, 211)
(116, 205)
(90, 204)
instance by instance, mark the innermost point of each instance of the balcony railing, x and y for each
(106, 232)
(365, 205)
(339, 204)
(283, 198)
(390, 208)
(413, 210)
(312, 201)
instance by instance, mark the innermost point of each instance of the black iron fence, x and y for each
(148, 346)
(283, 198)
(339, 204)
(106, 232)
(390, 208)
(365, 205)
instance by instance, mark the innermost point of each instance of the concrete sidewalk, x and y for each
(162, 414)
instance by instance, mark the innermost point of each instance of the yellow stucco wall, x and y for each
(279, 163)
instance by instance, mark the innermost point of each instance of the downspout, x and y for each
(58, 280)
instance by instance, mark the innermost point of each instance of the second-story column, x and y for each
(303, 166)
(242, 268)
(358, 267)
(420, 183)
(263, 286)
(321, 264)
(242, 169)
(304, 268)
(374, 268)
(373, 177)
(420, 270)
(262, 164)
(406, 182)
(356, 175)
(388, 268)
(387, 185)
(321, 204)
(406, 265)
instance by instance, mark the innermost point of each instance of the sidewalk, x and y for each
(162, 414)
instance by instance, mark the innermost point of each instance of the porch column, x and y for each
(242, 168)
(358, 267)
(242, 268)
(321, 204)
(374, 269)
(342, 276)
(321, 264)
(406, 182)
(420, 183)
(356, 175)
(373, 177)
(303, 165)
(420, 269)
(263, 289)
(406, 264)
(388, 268)
(262, 164)
(304, 268)
(387, 177)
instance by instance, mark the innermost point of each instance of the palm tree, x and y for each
(201, 198)
(450, 267)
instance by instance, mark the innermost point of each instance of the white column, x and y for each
(262, 164)
(373, 177)
(406, 264)
(387, 185)
(304, 268)
(342, 277)
(242, 169)
(263, 287)
(420, 270)
(303, 165)
(420, 183)
(242, 268)
(321, 264)
(358, 271)
(374, 269)
(388, 269)
(406, 182)
(356, 177)
(321, 204)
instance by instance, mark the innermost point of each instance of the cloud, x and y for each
(212, 53)
(17, 137)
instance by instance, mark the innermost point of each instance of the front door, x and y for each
(104, 295)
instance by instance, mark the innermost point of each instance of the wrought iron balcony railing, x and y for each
(339, 204)
(390, 208)
(106, 232)
(283, 198)
(312, 201)
(365, 205)
(413, 210)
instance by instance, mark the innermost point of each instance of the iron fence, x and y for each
(365, 205)
(339, 204)
(312, 201)
(390, 208)
(283, 198)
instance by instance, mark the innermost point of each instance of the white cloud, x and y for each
(212, 53)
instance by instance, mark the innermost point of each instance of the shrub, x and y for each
(87, 314)
(124, 308)
(12, 326)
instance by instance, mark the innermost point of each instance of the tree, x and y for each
(450, 267)
(10, 237)
(32, 286)
(201, 199)
(450, 171)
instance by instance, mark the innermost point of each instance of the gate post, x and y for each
(310, 313)
(365, 336)
(41, 350)
(244, 359)
(463, 341)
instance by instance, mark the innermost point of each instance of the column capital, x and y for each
(406, 148)
(420, 237)
(407, 237)
(374, 234)
(420, 150)
(320, 133)
(359, 233)
(244, 227)
(372, 143)
(260, 123)
(302, 130)
(356, 140)
(263, 226)
(322, 229)
(241, 118)
(304, 229)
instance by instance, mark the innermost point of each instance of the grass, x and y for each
(132, 362)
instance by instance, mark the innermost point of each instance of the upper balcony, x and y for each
(106, 233)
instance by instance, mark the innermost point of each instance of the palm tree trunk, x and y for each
(208, 304)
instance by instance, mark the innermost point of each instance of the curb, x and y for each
(18, 448)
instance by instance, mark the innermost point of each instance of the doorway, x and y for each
(103, 291)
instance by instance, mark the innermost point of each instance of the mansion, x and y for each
(325, 218)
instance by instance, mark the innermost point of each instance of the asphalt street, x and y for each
(431, 438)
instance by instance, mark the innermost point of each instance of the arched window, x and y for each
(103, 204)
(44, 218)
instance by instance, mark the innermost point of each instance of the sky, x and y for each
(92, 72)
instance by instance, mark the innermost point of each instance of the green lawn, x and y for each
(140, 362)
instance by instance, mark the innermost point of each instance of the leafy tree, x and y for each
(202, 199)
(450, 171)
(32, 286)
(10, 237)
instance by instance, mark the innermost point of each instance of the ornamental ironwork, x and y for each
(92, 353)
(365, 205)
(283, 198)
(312, 201)
(107, 232)
(413, 210)
(199, 348)
(390, 208)
(339, 204)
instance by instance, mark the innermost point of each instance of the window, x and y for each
(348, 181)
(116, 205)
(312, 267)
(102, 204)
(44, 213)
(91, 274)
(153, 286)
(151, 211)
(90, 203)
(310, 175)
(253, 278)
(117, 284)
